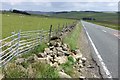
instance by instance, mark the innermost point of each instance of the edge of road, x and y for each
(97, 57)
(117, 31)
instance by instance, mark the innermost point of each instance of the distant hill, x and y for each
(40, 12)
(111, 17)
(108, 16)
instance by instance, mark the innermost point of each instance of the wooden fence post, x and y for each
(63, 28)
(66, 24)
(58, 29)
(41, 35)
(50, 32)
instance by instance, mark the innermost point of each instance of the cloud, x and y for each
(76, 4)
(13, 2)
(19, 1)
(45, 4)
(113, 4)
(97, 6)
(62, 6)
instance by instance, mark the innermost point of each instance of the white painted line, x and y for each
(99, 57)
(104, 31)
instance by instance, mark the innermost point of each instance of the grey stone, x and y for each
(47, 50)
(54, 51)
(51, 64)
(55, 60)
(48, 58)
(62, 59)
(55, 65)
(77, 51)
(81, 66)
(66, 53)
(83, 59)
(65, 47)
(59, 44)
(89, 66)
(63, 75)
(80, 61)
(44, 60)
(59, 49)
(79, 70)
(81, 77)
(41, 55)
(48, 44)
(51, 47)
(53, 43)
(62, 70)
(60, 54)
(78, 56)
(20, 60)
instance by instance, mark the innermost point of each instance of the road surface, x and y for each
(106, 43)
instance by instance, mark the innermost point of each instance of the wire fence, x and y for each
(21, 42)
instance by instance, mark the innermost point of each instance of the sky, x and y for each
(61, 5)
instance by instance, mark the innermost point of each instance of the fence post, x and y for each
(63, 28)
(18, 43)
(55, 32)
(66, 25)
(41, 35)
(58, 29)
(50, 32)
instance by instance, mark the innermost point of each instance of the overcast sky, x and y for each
(61, 5)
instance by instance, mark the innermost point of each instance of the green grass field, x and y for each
(108, 19)
(15, 22)
(107, 24)
(99, 16)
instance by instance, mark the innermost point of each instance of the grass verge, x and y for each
(73, 38)
(68, 66)
(44, 71)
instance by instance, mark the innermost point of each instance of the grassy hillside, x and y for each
(105, 18)
(15, 22)
(106, 24)
(99, 16)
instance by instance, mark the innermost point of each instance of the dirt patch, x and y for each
(91, 69)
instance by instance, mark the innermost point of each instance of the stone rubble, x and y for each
(56, 54)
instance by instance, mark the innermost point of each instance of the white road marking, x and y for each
(104, 31)
(99, 57)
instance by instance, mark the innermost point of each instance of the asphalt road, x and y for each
(106, 43)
